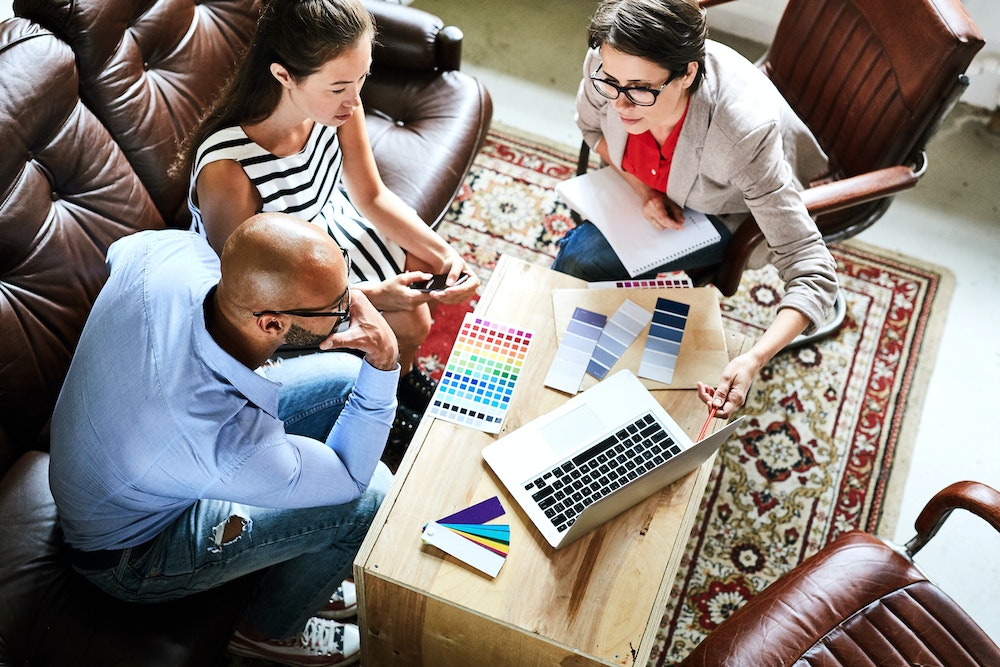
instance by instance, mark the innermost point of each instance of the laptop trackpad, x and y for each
(567, 433)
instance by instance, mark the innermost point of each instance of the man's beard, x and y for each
(299, 337)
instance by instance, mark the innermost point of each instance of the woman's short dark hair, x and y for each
(299, 35)
(670, 33)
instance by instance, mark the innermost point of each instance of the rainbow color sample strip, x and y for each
(575, 350)
(675, 280)
(466, 536)
(624, 327)
(478, 381)
(663, 344)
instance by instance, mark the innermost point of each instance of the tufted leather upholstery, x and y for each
(135, 60)
(63, 181)
(92, 106)
(427, 120)
(859, 601)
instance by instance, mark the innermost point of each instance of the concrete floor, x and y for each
(529, 56)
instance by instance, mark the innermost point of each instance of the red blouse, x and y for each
(647, 161)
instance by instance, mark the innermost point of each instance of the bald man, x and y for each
(177, 450)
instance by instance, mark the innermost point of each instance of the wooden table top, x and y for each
(602, 595)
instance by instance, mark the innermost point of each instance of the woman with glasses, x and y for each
(288, 135)
(688, 122)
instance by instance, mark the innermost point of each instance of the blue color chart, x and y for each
(663, 344)
(624, 327)
(478, 381)
(575, 350)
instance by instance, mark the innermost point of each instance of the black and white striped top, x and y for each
(306, 185)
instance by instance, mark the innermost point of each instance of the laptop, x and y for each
(595, 456)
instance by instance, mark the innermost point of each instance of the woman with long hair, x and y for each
(288, 134)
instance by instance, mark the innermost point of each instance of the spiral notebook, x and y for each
(605, 199)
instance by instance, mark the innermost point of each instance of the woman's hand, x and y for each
(458, 291)
(395, 293)
(657, 208)
(733, 388)
(661, 212)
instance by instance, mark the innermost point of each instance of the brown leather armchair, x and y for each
(91, 107)
(860, 601)
(872, 80)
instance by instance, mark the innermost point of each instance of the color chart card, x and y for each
(663, 344)
(677, 280)
(574, 352)
(703, 352)
(478, 382)
(621, 330)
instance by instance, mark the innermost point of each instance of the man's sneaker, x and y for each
(343, 603)
(320, 644)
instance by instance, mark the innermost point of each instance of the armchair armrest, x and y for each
(819, 199)
(412, 38)
(981, 500)
(848, 192)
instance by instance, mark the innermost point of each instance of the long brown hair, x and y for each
(300, 35)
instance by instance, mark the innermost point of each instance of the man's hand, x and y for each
(368, 332)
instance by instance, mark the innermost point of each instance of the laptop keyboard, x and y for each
(566, 489)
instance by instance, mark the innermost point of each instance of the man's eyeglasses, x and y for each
(343, 315)
(641, 96)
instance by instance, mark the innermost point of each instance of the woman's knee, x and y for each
(411, 326)
(584, 253)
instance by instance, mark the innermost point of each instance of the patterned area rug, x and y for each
(826, 441)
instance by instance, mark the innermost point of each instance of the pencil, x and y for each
(708, 422)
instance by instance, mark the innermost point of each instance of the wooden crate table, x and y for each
(598, 601)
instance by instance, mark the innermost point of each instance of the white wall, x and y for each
(757, 20)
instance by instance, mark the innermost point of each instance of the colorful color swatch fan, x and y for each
(466, 536)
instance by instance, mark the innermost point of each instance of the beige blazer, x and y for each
(741, 149)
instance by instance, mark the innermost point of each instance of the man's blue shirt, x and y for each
(154, 415)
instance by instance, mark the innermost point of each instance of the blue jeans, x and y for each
(306, 552)
(584, 253)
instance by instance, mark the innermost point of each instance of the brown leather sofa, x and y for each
(94, 95)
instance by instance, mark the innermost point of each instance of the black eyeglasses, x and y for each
(344, 315)
(641, 96)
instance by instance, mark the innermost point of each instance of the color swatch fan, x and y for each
(466, 536)
(478, 382)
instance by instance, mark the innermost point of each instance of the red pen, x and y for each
(704, 428)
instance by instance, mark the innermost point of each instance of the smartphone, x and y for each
(437, 282)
